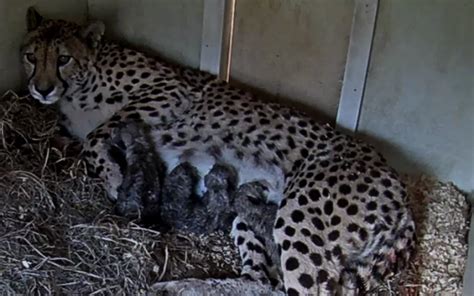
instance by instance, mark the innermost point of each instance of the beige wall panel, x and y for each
(170, 28)
(419, 98)
(293, 49)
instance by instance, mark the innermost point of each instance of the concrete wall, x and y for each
(419, 99)
(13, 27)
(293, 49)
(172, 28)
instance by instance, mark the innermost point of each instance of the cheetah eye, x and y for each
(63, 60)
(30, 57)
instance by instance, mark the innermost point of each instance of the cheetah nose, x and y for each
(44, 92)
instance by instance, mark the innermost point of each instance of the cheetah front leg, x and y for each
(257, 264)
(104, 158)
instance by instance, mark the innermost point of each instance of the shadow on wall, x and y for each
(405, 163)
(308, 109)
(395, 156)
(147, 50)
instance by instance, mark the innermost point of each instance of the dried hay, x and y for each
(59, 236)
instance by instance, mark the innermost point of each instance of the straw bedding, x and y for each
(58, 233)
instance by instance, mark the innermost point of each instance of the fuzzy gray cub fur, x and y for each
(140, 191)
(171, 202)
(181, 209)
(147, 193)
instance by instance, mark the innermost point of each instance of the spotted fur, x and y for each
(342, 223)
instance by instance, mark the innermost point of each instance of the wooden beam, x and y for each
(216, 42)
(358, 57)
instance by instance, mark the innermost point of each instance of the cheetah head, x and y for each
(57, 55)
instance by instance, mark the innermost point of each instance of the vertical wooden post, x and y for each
(358, 56)
(216, 42)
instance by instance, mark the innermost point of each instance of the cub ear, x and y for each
(33, 19)
(92, 33)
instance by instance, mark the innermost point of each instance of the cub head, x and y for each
(57, 55)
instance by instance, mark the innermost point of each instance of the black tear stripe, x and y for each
(65, 84)
(32, 74)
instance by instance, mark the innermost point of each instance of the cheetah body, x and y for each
(342, 222)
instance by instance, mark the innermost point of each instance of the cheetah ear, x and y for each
(33, 19)
(92, 33)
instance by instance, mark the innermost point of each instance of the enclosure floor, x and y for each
(469, 273)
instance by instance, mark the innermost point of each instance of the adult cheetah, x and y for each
(342, 223)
